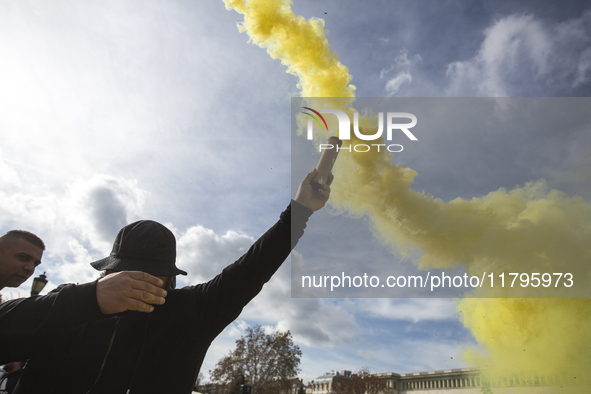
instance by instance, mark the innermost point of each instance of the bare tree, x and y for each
(361, 382)
(265, 362)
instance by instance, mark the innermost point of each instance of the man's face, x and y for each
(17, 262)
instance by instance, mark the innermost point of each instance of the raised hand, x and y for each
(313, 195)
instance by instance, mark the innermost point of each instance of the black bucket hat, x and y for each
(144, 246)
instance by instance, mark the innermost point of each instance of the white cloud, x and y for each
(520, 53)
(78, 222)
(394, 84)
(8, 176)
(403, 60)
(74, 268)
(414, 310)
(236, 328)
(204, 254)
(102, 205)
(403, 64)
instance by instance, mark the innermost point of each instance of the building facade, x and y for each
(324, 383)
(454, 381)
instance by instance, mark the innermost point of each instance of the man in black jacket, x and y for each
(77, 343)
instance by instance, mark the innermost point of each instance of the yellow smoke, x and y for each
(300, 44)
(527, 229)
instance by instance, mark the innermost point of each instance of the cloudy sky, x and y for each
(115, 111)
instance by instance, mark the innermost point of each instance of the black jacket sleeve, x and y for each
(27, 322)
(221, 300)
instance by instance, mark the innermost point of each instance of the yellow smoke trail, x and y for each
(300, 44)
(528, 229)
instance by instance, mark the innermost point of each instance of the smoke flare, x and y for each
(527, 229)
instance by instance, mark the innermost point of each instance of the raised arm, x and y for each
(221, 300)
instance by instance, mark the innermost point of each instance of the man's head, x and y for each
(144, 246)
(20, 253)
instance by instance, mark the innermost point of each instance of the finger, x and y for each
(148, 288)
(143, 276)
(324, 192)
(146, 297)
(308, 178)
(330, 179)
(137, 305)
(324, 195)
